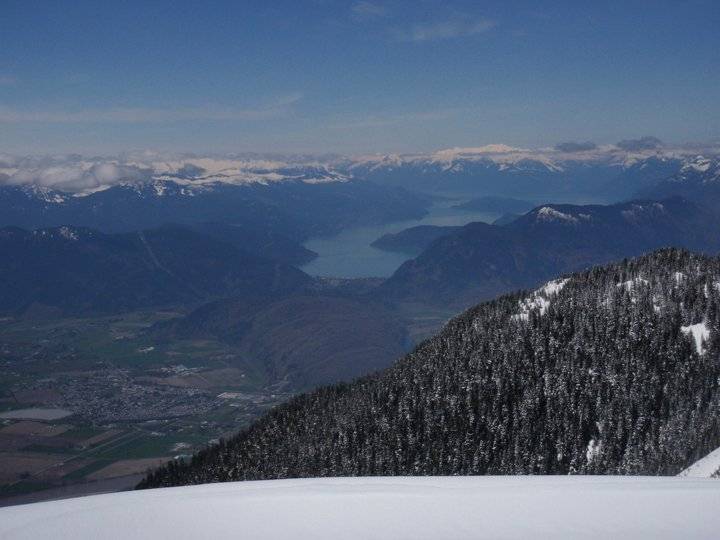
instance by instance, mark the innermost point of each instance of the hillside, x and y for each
(79, 270)
(387, 508)
(698, 180)
(611, 371)
(498, 205)
(300, 341)
(414, 239)
(481, 261)
(263, 242)
(294, 209)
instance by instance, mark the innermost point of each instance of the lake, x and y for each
(350, 255)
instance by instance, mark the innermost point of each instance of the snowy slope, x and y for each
(387, 508)
(706, 467)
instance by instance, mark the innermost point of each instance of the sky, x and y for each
(322, 76)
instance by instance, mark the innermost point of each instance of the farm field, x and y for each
(90, 402)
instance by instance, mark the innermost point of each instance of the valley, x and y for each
(131, 405)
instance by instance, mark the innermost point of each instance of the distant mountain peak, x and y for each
(44, 193)
(699, 163)
(456, 152)
(69, 233)
(548, 213)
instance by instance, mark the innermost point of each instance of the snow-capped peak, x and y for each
(548, 213)
(450, 154)
(699, 169)
(699, 164)
(44, 194)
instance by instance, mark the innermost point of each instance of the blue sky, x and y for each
(355, 76)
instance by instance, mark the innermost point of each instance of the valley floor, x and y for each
(393, 508)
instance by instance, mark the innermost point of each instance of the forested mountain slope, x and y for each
(614, 370)
(78, 270)
(302, 341)
(414, 239)
(480, 261)
(293, 209)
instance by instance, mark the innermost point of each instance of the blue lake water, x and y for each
(350, 255)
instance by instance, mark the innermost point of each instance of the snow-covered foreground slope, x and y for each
(387, 508)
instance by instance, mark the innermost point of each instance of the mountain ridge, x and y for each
(592, 374)
(81, 270)
(481, 260)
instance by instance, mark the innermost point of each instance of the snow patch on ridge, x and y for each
(632, 283)
(700, 334)
(699, 164)
(68, 233)
(547, 213)
(540, 299)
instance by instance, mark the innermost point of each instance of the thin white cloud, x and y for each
(380, 120)
(279, 108)
(367, 10)
(449, 29)
(287, 101)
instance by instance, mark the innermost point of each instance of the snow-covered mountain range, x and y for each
(81, 176)
(608, 172)
(509, 157)
(51, 176)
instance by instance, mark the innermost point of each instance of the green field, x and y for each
(43, 362)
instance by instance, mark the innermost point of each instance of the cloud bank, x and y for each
(643, 143)
(72, 174)
(571, 147)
